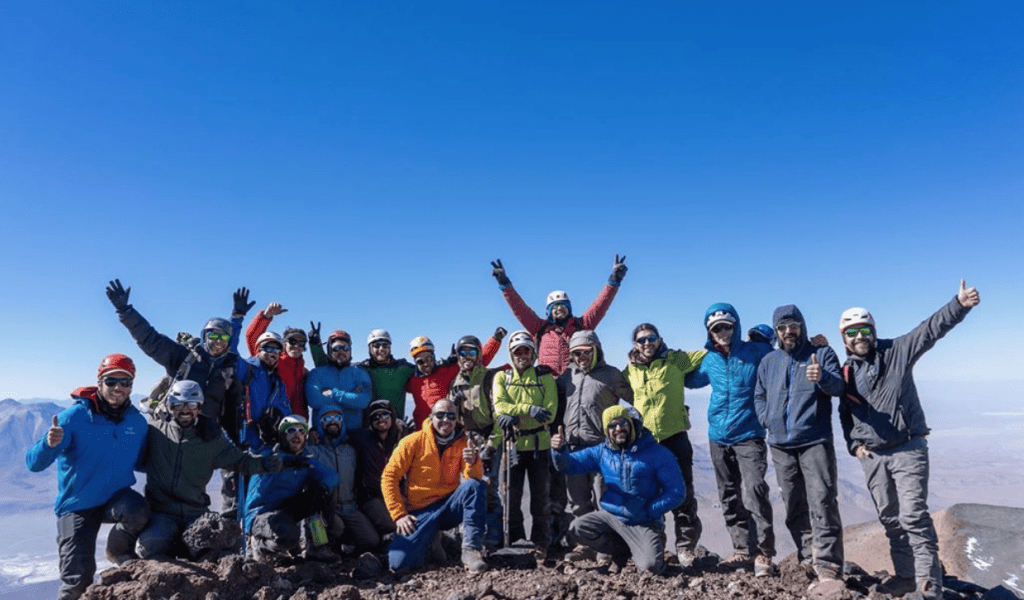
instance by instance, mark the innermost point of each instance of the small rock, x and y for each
(385, 588)
(484, 588)
(699, 581)
(368, 567)
(282, 584)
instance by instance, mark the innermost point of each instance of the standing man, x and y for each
(291, 367)
(266, 401)
(432, 459)
(589, 387)
(97, 444)
(885, 428)
(389, 375)
(736, 438)
(643, 483)
(793, 398)
(658, 378)
(554, 332)
(339, 382)
(526, 400)
(433, 379)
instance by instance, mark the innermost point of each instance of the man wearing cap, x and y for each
(658, 378)
(884, 426)
(642, 483)
(432, 460)
(433, 379)
(793, 399)
(374, 444)
(554, 332)
(291, 367)
(526, 400)
(277, 502)
(339, 382)
(389, 374)
(183, 449)
(97, 444)
(347, 525)
(736, 438)
(589, 386)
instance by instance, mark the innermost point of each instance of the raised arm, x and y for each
(600, 306)
(524, 314)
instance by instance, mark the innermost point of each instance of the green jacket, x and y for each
(476, 402)
(388, 380)
(659, 393)
(515, 393)
(179, 464)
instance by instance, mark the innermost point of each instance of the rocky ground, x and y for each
(513, 574)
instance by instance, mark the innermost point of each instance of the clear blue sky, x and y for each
(362, 162)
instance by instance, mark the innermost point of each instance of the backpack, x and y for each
(154, 401)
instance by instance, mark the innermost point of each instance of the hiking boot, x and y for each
(736, 559)
(763, 566)
(603, 560)
(581, 552)
(320, 554)
(897, 586)
(686, 557)
(120, 559)
(827, 572)
(926, 590)
(473, 560)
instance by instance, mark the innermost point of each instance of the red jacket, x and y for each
(291, 370)
(426, 390)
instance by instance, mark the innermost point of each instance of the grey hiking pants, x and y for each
(607, 534)
(809, 485)
(898, 481)
(76, 538)
(743, 493)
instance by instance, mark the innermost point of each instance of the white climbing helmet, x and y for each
(557, 296)
(420, 344)
(855, 316)
(519, 339)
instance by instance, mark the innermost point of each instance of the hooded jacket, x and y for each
(514, 394)
(341, 384)
(268, 491)
(216, 376)
(372, 452)
(553, 339)
(796, 412)
(642, 481)
(426, 390)
(264, 390)
(180, 463)
(291, 370)
(588, 394)
(339, 456)
(97, 456)
(659, 390)
(880, 407)
(432, 476)
(732, 417)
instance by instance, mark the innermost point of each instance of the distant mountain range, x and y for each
(21, 425)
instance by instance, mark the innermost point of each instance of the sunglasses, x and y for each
(121, 381)
(579, 353)
(426, 360)
(341, 348)
(468, 352)
(522, 351)
(380, 416)
(722, 327)
(186, 405)
(788, 327)
(271, 349)
(378, 345)
(331, 418)
(295, 429)
(297, 342)
(644, 340)
(619, 424)
(446, 416)
(855, 331)
(213, 336)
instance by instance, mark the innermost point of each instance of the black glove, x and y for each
(267, 425)
(118, 295)
(408, 423)
(499, 333)
(242, 304)
(487, 452)
(273, 463)
(499, 273)
(507, 422)
(540, 413)
(619, 269)
(314, 334)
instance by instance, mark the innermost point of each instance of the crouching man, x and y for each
(97, 444)
(278, 502)
(642, 482)
(432, 459)
(183, 449)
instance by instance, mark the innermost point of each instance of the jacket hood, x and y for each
(790, 312)
(588, 337)
(737, 337)
(318, 426)
(621, 412)
(382, 404)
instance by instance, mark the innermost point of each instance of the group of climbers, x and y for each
(320, 462)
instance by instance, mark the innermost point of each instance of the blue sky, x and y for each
(363, 162)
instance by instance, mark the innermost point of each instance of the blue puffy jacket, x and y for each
(268, 491)
(97, 456)
(731, 415)
(643, 482)
(265, 390)
(340, 383)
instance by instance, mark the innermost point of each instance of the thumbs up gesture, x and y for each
(55, 434)
(814, 370)
(558, 440)
(470, 454)
(967, 296)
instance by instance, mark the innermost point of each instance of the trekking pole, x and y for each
(509, 458)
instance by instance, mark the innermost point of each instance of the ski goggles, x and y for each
(341, 348)
(179, 405)
(214, 336)
(293, 429)
(720, 327)
(855, 331)
(121, 381)
(446, 415)
(653, 339)
(788, 326)
(468, 352)
(331, 418)
(582, 352)
(271, 349)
